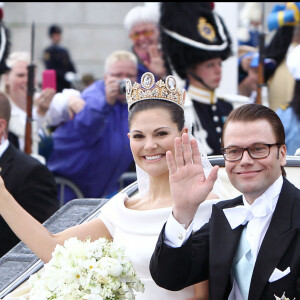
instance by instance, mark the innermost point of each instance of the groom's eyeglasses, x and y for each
(255, 151)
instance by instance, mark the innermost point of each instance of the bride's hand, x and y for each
(188, 184)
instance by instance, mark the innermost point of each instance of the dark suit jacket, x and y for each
(209, 253)
(31, 184)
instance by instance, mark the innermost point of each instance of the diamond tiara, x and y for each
(149, 89)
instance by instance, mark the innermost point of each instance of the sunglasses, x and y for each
(146, 33)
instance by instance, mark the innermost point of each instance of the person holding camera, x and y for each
(92, 150)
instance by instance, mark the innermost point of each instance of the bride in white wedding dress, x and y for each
(156, 118)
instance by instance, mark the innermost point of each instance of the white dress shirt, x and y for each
(17, 123)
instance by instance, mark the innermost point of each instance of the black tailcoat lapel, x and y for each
(223, 244)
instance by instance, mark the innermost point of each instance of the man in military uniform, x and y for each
(195, 41)
(57, 58)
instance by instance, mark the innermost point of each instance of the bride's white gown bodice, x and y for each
(137, 231)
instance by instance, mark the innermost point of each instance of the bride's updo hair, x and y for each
(176, 112)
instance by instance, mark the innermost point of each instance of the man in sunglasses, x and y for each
(141, 23)
(250, 248)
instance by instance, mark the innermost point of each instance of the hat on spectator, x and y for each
(54, 29)
(191, 33)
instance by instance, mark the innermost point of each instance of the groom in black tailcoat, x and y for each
(268, 213)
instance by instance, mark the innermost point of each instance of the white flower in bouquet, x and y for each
(86, 270)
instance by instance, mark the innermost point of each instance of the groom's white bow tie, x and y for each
(240, 215)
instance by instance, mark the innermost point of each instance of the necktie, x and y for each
(240, 215)
(243, 265)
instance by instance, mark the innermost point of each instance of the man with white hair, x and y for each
(141, 23)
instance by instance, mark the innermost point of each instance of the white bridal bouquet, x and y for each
(86, 270)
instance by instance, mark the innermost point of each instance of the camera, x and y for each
(122, 86)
